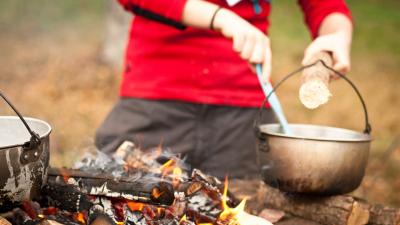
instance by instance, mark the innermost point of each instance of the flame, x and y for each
(171, 169)
(80, 217)
(159, 211)
(232, 216)
(135, 206)
(64, 175)
(176, 176)
(183, 219)
(167, 167)
(156, 193)
(41, 216)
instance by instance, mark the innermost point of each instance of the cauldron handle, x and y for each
(367, 129)
(35, 138)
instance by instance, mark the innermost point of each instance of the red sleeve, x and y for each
(316, 10)
(164, 11)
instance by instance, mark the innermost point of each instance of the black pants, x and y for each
(219, 140)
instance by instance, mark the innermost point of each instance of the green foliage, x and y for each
(377, 25)
(47, 15)
(376, 22)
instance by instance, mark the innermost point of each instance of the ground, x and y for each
(51, 69)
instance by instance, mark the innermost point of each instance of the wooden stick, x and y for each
(3, 221)
(314, 90)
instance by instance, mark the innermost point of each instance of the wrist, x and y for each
(213, 17)
(336, 23)
(345, 35)
(222, 19)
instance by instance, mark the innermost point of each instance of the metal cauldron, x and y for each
(313, 159)
(24, 157)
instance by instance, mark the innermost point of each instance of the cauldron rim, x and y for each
(274, 130)
(44, 131)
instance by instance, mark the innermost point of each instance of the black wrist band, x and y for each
(213, 17)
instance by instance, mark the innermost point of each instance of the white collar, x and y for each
(232, 2)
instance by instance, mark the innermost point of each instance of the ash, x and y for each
(129, 187)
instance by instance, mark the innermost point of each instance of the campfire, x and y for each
(132, 187)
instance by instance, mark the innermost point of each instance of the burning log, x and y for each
(146, 191)
(64, 197)
(20, 216)
(214, 187)
(132, 187)
(17, 216)
(199, 197)
(190, 188)
(197, 216)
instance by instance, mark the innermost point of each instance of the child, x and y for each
(188, 83)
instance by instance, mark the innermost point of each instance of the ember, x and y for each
(132, 187)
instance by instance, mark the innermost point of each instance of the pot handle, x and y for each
(367, 129)
(35, 138)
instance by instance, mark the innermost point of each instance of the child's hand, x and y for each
(335, 34)
(338, 44)
(248, 41)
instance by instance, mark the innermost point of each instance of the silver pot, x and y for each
(24, 158)
(313, 159)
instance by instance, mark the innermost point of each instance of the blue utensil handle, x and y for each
(273, 101)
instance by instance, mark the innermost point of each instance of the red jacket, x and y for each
(165, 61)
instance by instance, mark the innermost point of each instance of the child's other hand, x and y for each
(335, 34)
(338, 44)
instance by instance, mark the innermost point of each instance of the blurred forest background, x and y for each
(52, 67)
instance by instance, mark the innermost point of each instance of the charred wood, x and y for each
(20, 217)
(190, 188)
(214, 187)
(142, 190)
(64, 196)
(196, 216)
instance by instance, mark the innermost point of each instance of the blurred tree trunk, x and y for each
(116, 34)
